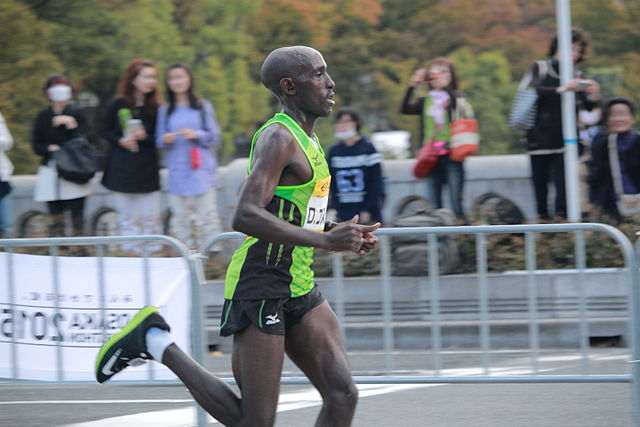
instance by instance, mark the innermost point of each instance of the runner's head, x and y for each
(298, 77)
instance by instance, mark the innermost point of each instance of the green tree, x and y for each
(26, 61)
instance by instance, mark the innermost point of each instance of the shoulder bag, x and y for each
(627, 204)
(77, 160)
(464, 132)
(426, 161)
(523, 110)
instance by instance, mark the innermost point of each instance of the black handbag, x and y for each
(77, 160)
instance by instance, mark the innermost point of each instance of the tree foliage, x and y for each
(371, 46)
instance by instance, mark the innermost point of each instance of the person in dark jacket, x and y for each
(545, 141)
(132, 169)
(53, 127)
(617, 117)
(356, 171)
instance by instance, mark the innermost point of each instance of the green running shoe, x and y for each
(128, 347)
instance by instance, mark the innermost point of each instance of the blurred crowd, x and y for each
(144, 123)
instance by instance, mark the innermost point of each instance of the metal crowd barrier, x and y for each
(431, 235)
(192, 261)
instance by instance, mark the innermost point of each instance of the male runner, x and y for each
(272, 305)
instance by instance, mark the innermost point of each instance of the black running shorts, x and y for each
(271, 316)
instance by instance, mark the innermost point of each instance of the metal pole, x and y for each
(532, 297)
(563, 12)
(483, 297)
(338, 280)
(387, 315)
(434, 283)
(581, 264)
(634, 285)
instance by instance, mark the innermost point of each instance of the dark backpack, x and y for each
(77, 160)
(410, 256)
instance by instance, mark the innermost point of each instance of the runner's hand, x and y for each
(351, 236)
(370, 240)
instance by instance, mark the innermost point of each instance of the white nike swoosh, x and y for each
(106, 369)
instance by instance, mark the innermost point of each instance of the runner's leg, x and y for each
(315, 345)
(214, 395)
(257, 366)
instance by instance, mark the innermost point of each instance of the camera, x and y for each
(583, 84)
(431, 75)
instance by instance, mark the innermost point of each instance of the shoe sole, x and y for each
(130, 326)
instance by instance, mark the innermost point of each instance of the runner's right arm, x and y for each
(278, 160)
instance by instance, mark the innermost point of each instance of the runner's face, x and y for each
(620, 118)
(315, 88)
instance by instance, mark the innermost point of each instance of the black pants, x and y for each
(57, 209)
(545, 169)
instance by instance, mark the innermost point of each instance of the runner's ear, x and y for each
(287, 86)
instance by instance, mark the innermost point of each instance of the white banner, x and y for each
(74, 335)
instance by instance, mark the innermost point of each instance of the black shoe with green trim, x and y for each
(128, 347)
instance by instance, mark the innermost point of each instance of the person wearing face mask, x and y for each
(187, 131)
(132, 168)
(356, 171)
(617, 119)
(437, 109)
(53, 127)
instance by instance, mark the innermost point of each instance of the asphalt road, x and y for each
(581, 404)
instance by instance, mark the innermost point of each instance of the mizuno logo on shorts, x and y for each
(272, 319)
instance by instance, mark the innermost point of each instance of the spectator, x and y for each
(617, 117)
(589, 127)
(188, 133)
(436, 110)
(356, 172)
(545, 142)
(131, 169)
(53, 127)
(6, 169)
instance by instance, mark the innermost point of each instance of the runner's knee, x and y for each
(346, 395)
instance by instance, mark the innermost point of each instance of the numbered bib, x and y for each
(317, 205)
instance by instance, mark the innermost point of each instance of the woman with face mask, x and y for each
(53, 127)
(437, 109)
(356, 171)
(187, 132)
(617, 119)
(132, 169)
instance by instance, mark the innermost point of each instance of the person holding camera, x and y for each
(53, 127)
(132, 167)
(544, 142)
(437, 109)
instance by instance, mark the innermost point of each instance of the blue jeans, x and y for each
(5, 216)
(451, 173)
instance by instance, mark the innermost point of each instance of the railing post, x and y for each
(387, 296)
